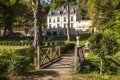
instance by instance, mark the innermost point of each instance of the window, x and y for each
(48, 33)
(71, 25)
(53, 26)
(72, 10)
(58, 25)
(54, 20)
(50, 26)
(65, 25)
(54, 33)
(58, 19)
(49, 19)
(83, 26)
(71, 18)
(64, 19)
(61, 33)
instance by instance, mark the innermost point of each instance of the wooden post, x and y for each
(76, 59)
(39, 62)
(83, 51)
(59, 51)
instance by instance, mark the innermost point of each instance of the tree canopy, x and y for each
(10, 10)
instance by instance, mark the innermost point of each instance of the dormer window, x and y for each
(58, 12)
(72, 11)
(64, 11)
(50, 13)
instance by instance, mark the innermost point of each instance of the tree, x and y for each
(103, 44)
(83, 9)
(37, 22)
(114, 25)
(10, 9)
(103, 12)
(45, 10)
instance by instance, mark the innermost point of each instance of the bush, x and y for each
(4, 63)
(16, 62)
(3, 67)
(103, 45)
(19, 65)
(28, 52)
(67, 46)
(110, 67)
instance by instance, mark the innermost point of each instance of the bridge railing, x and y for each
(79, 57)
(49, 55)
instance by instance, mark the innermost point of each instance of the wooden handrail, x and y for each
(49, 54)
(79, 57)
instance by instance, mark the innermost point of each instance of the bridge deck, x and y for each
(64, 65)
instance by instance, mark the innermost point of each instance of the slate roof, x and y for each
(63, 10)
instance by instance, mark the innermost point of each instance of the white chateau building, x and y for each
(57, 22)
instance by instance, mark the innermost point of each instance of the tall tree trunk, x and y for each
(68, 27)
(37, 24)
(37, 29)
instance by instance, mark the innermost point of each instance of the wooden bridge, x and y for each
(51, 59)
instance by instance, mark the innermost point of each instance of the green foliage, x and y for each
(94, 42)
(3, 67)
(109, 45)
(28, 52)
(10, 10)
(102, 44)
(67, 46)
(16, 62)
(114, 26)
(19, 65)
(75, 78)
(110, 67)
(16, 43)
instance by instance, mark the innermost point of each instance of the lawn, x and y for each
(83, 39)
(12, 47)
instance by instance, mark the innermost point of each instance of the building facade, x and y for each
(57, 21)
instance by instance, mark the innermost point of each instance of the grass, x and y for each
(83, 39)
(12, 47)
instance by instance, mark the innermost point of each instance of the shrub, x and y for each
(28, 52)
(3, 67)
(65, 47)
(16, 62)
(102, 45)
(4, 62)
(19, 65)
(110, 67)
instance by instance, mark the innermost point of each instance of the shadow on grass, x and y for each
(38, 74)
(110, 66)
(89, 66)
